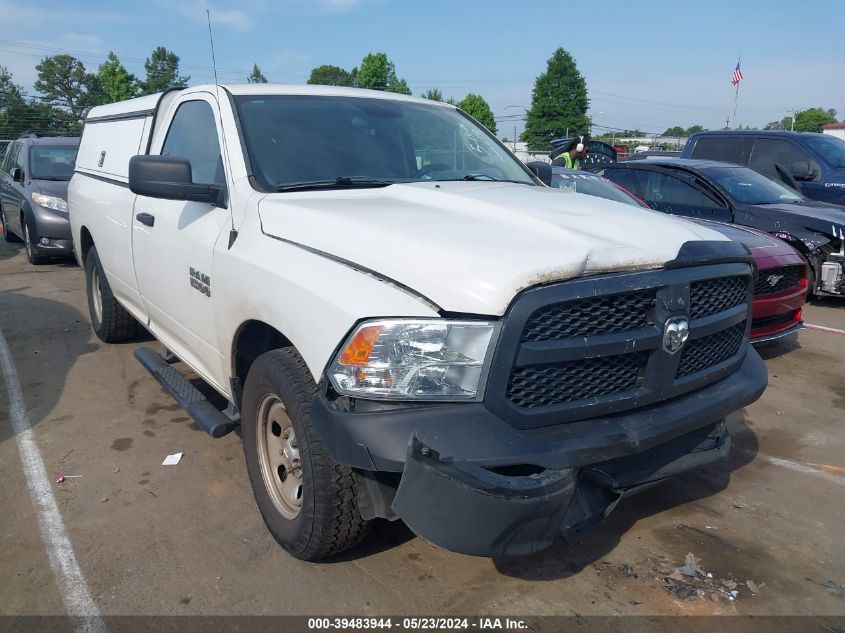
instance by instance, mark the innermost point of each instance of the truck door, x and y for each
(173, 240)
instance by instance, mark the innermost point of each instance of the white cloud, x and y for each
(195, 10)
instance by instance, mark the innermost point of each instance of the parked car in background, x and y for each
(724, 192)
(600, 153)
(34, 176)
(781, 285)
(813, 164)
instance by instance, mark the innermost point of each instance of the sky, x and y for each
(649, 65)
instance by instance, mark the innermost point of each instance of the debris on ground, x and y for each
(835, 588)
(172, 460)
(690, 581)
(60, 479)
(103, 499)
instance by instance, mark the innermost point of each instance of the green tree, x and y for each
(674, 131)
(162, 67)
(433, 94)
(65, 84)
(559, 103)
(478, 108)
(115, 83)
(19, 115)
(693, 129)
(328, 75)
(813, 119)
(783, 124)
(377, 72)
(256, 76)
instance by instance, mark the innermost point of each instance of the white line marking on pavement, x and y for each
(801, 468)
(823, 328)
(71, 583)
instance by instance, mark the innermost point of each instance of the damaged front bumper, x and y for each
(465, 480)
(472, 510)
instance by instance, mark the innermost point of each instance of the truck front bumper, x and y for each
(462, 468)
(468, 509)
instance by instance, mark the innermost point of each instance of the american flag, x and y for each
(737, 76)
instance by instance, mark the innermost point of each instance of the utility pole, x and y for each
(727, 123)
(791, 114)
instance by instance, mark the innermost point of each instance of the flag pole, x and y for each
(736, 94)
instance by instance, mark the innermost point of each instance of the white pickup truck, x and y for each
(404, 321)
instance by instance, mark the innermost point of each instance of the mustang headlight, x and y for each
(49, 202)
(419, 359)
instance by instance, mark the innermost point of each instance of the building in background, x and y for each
(835, 129)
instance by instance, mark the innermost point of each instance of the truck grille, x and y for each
(710, 296)
(594, 346)
(711, 350)
(593, 315)
(538, 386)
(775, 280)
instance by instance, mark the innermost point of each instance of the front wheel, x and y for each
(308, 502)
(110, 320)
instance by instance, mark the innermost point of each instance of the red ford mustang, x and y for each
(781, 287)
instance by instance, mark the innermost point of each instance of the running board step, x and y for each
(210, 419)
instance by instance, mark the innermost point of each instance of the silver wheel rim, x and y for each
(278, 456)
(26, 240)
(97, 295)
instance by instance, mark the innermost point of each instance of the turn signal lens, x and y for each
(357, 351)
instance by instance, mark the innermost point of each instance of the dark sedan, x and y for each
(781, 284)
(729, 193)
(34, 175)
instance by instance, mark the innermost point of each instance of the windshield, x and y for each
(52, 163)
(749, 187)
(343, 141)
(593, 186)
(832, 149)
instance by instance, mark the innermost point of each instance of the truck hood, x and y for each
(472, 246)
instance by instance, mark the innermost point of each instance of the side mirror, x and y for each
(802, 170)
(542, 170)
(17, 174)
(170, 177)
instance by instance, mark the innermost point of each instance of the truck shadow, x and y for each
(778, 348)
(828, 302)
(563, 560)
(45, 338)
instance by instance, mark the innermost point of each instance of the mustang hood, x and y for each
(471, 247)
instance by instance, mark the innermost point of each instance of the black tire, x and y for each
(8, 236)
(811, 284)
(30, 248)
(115, 324)
(328, 521)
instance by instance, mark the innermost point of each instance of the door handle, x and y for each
(146, 218)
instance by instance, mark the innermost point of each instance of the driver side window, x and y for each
(193, 135)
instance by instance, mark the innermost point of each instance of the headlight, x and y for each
(50, 202)
(402, 359)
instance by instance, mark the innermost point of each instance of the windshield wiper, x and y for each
(339, 182)
(478, 177)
